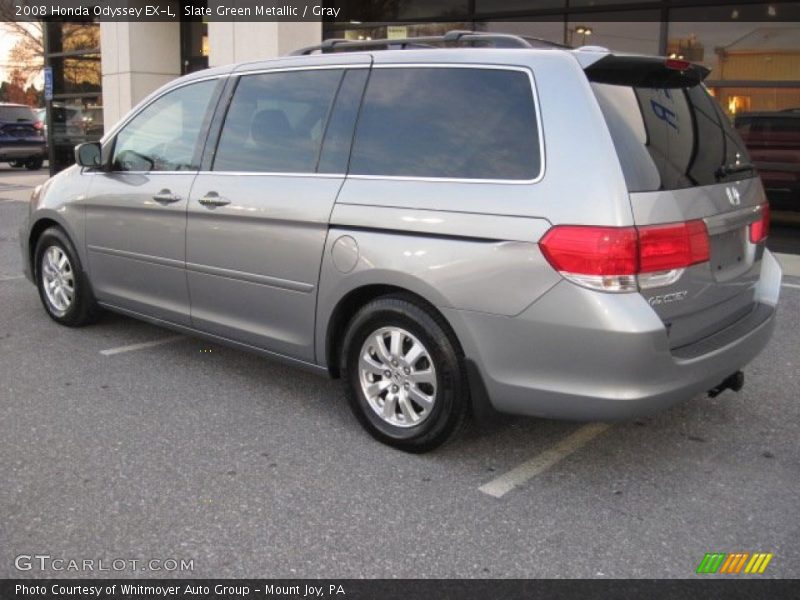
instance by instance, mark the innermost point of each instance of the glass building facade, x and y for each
(75, 113)
(72, 52)
(752, 49)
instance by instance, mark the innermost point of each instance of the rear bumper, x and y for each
(583, 355)
(13, 152)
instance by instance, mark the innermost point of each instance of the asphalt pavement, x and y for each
(120, 441)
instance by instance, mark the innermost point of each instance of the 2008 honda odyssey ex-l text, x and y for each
(484, 220)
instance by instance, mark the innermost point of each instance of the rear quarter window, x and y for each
(448, 122)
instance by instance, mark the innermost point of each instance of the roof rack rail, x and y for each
(456, 36)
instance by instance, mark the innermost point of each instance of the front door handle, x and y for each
(213, 200)
(166, 197)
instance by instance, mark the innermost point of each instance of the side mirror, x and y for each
(88, 154)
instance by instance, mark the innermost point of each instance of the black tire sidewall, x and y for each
(452, 392)
(80, 311)
(34, 164)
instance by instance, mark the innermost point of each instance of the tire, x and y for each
(17, 163)
(34, 163)
(74, 305)
(386, 397)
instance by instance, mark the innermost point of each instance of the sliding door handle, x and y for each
(213, 200)
(166, 197)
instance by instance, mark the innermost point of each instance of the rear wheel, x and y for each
(404, 375)
(17, 163)
(63, 286)
(34, 163)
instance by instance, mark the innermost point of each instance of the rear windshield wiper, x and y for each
(732, 168)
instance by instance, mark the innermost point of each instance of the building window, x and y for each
(75, 113)
(194, 43)
(629, 31)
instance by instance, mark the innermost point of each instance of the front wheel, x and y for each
(404, 374)
(63, 286)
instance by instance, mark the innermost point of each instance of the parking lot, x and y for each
(122, 440)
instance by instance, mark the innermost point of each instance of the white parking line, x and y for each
(142, 346)
(500, 486)
(11, 277)
(791, 285)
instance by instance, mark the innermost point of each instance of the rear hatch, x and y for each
(19, 124)
(684, 163)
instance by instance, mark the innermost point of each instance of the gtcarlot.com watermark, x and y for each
(46, 562)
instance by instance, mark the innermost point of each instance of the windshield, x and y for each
(671, 138)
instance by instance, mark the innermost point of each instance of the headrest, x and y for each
(270, 125)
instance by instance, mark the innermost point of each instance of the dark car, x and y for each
(22, 142)
(773, 140)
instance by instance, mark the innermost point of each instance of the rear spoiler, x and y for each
(645, 71)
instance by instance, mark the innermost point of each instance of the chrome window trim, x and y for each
(244, 73)
(270, 174)
(225, 173)
(403, 65)
(489, 66)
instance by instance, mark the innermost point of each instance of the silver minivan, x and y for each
(450, 225)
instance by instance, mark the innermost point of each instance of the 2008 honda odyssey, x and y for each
(554, 232)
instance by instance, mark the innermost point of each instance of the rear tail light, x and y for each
(665, 247)
(625, 259)
(760, 229)
(38, 125)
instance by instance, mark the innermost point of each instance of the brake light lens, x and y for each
(678, 64)
(623, 259)
(666, 247)
(760, 229)
(591, 250)
(38, 125)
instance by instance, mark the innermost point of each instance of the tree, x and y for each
(34, 97)
(15, 92)
(27, 55)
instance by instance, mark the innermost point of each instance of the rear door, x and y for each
(258, 217)
(683, 161)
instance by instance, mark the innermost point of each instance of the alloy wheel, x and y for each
(398, 377)
(58, 279)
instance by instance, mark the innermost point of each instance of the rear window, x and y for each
(671, 138)
(16, 113)
(448, 122)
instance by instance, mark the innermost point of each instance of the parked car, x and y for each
(541, 231)
(773, 140)
(22, 143)
(68, 123)
(92, 122)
